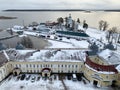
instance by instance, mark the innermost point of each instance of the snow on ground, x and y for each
(57, 44)
(41, 84)
(12, 83)
(79, 85)
(96, 33)
(24, 35)
(68, 43)
(31, 33)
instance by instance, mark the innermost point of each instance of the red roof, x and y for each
(98, 67)
(46, 69)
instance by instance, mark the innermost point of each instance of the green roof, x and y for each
(73, 33)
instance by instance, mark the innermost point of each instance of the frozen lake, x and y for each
(91, 18)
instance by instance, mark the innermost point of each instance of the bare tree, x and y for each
(103, 25)
(112, 32)
(60, 20)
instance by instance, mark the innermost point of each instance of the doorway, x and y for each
(15, 73)
(95, 82)
(46, 75)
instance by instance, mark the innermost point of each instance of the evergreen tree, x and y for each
(85, 26)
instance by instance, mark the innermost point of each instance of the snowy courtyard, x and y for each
(36, 82)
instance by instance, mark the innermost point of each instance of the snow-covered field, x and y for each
(12, 83)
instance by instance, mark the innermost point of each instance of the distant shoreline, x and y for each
(22, 10)
(4, 17)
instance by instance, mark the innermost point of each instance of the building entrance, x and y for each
(46, 72)
(95, 82)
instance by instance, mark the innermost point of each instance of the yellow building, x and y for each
(21, 63)
(102, 70)
(95, 69)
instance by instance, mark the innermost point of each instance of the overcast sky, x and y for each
(59, 4)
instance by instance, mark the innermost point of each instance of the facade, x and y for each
(95, 70)
(99, 74)
(43, 68)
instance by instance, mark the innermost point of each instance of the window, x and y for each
(72, 65)
(30, 65)
(51, 65)
(76, 66)
(65, 65)
(34, 65)
(58, 66)
(27, 65)
(61, 65)
(69, 66)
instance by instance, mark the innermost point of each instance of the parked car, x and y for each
(33, 79)
(22, 77)
(79, 78)
(28, 77)
(69, 76)
(74, 78)
(38, 78)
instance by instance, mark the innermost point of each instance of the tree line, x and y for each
(112, 33)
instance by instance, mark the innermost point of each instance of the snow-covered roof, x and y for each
(47, 55)
(110, 57)
(118, 68)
